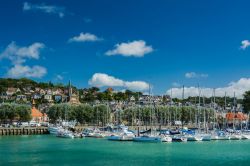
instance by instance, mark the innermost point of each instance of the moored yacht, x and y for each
(95, 133)
(179, 138)
(147, 138)
(166, 138)
(64, 133)
(193, 137)
(54, 129)
(220, 136)
(205, 137)
(125, 135)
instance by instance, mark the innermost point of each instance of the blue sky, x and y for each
(128, 44)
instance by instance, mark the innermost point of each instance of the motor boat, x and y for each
(64, 133)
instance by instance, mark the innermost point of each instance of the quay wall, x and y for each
(24, 131)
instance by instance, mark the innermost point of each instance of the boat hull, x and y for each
(147, 139)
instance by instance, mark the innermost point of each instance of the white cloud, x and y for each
(244, 44)
(25, 71)
(239, 87)
(85, 37)
(18, 55)
(195, 75)
(136, 85)
(102, 80)
(60, 11)
(137, 48)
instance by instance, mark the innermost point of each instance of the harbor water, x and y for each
(50, 150)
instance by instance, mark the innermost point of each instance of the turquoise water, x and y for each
(50, 150)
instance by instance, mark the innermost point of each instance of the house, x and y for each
(49, 92)
(37, 89)
(37, 96)
(48, 97)
(4, 96)
(132, 99)
(58, 98)
(58, 91)
(42, 92)
(36, 115)
(10, 91)
(21, 98)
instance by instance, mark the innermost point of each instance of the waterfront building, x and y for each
(36, 115)
(236, 117)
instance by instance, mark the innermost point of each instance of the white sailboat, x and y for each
(194, 137)
(166, 138)
(151, 137)
(125, 135)
(94, 133)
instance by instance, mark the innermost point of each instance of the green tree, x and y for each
(23, 112)
(246, 102)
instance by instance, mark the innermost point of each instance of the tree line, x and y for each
(19, 112)
(136, 115)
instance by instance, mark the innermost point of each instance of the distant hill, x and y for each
(24, 82)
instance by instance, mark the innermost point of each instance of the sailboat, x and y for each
(94, 133)
(124, 135)
(151, 137)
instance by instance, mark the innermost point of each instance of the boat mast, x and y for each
(214, 108)
(182, 107)
(225, 109)
(204, 113)
(170, 112)
(150, 109)
(234, 109)
(199, 107)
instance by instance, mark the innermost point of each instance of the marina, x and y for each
(124, 83)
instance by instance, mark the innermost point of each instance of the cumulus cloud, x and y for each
(239, 87)
(137, 48)
(195, 75)
(60, 11)
(85, 37)
(244, 44)
(25, 71)
(102, 80)
(18, 55)
(136, 85)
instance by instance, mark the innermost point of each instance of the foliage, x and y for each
(15, 111)
(246, 102)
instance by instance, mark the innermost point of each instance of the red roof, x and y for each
(35, 113)
(236, 116)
